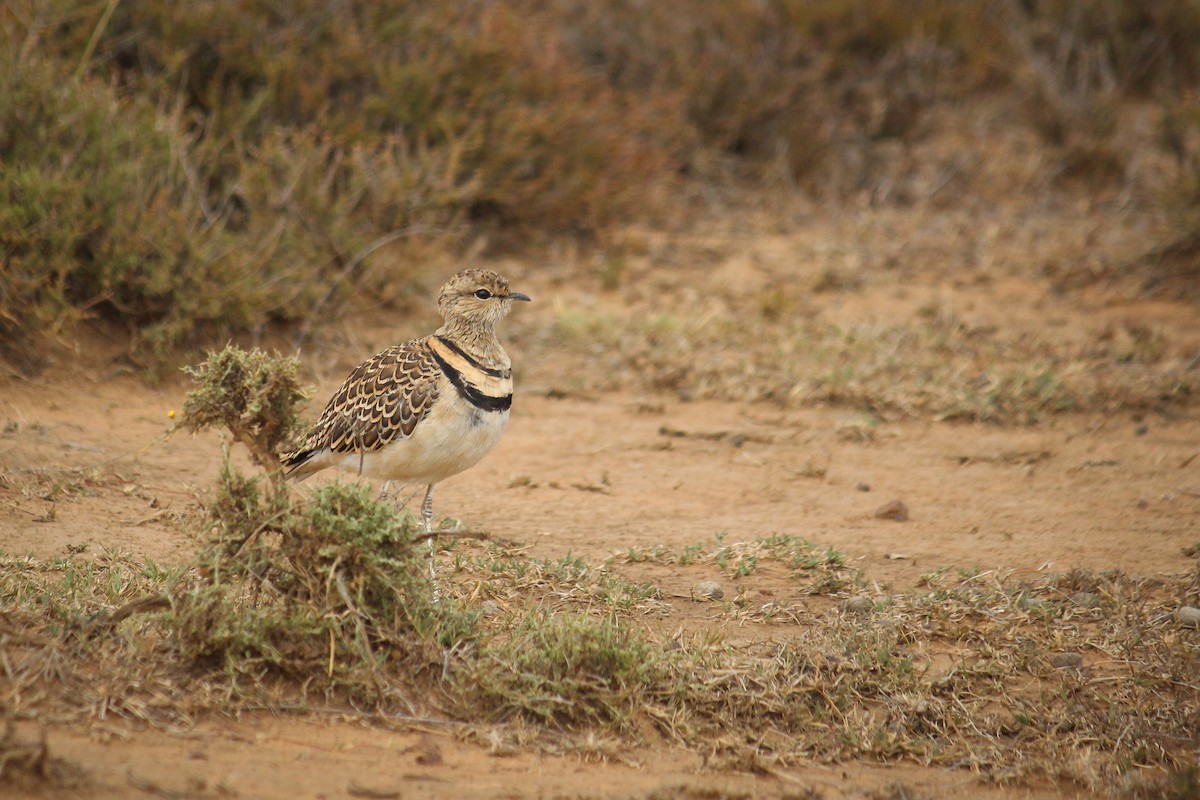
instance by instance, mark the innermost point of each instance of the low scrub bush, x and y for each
(331, 588)
(196, 171)
(106, 210)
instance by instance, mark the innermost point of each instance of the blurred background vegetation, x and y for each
(217, 167)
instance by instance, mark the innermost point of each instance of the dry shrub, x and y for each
(1175, 265)
(195, 170)
(792, 90)
(332, 590)
(251, 394)
(529, 137)
(1078, 60)
(110, 209)
(196, 173)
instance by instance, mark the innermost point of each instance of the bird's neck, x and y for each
(480, 343)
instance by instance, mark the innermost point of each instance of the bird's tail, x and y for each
(303, 463)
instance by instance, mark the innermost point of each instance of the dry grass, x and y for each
(1084, 677)
(815, 569)
(937, 365)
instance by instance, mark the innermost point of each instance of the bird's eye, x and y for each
(483, 294)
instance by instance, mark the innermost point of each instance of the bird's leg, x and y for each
(427, 509)
(427, 515)
(385, 491)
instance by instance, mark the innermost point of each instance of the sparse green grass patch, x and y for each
(519, 583)
(817, 570)
(1085, 676)
(932, 366)
(566, 668)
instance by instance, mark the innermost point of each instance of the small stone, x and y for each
(859, 605)
(1143, 503)
(430, 754)
(1066, 661)
(361, 790)
(489, 608)
(862, 486)
(1086, 599)
(1141, 429)
(707, 590)
(894, 510)
(1188, 616)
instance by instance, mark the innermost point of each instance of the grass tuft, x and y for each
(565, 669)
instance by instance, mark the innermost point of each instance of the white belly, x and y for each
(442, 444)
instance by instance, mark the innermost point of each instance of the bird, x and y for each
(421, 411)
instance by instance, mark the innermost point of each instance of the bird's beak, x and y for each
(517, 296)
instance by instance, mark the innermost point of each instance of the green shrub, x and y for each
(104, 211)
(332, 585)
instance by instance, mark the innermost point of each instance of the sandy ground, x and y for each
(593, 476)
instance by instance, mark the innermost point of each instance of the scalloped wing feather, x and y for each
(384, 398)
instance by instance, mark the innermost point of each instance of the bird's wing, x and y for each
(384, 398)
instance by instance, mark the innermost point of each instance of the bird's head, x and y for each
(476, 298)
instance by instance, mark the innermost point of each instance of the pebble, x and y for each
(1086, 599)
(707, 590)
(859, 605)
(1066, 661)
(863, 486)
(894, 510)
(1188, 616)
(489, 608)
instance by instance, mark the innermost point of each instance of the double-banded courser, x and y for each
(427, 409)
